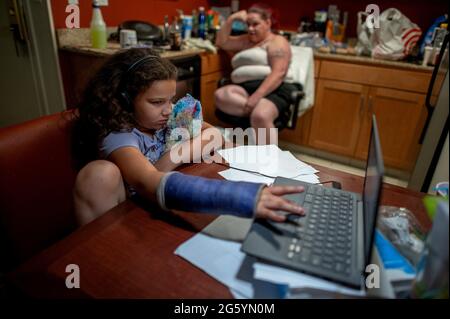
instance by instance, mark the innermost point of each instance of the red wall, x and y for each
(422, 12)
(120, 10)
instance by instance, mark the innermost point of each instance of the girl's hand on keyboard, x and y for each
(271, 201)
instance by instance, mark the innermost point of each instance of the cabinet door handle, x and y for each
(19, 15)
(361, 104)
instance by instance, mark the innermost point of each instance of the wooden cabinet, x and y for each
(300, 135)
(338, 112)
(208, 85)
(213, 68)
(347, 94)
(342, 121)
(400, 118)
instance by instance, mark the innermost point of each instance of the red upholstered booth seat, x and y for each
(36, 182)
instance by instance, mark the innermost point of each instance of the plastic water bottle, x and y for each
(98, 28)
(187, 27)
(194, 24)
(175, 35)
(166, 29)
(202, 23)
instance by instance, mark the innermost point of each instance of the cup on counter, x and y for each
(187, 27)
(128, 38)
(442, 189)
(427, 55)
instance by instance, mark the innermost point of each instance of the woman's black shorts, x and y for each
(281, 96)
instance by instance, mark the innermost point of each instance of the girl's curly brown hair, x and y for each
(102, 109)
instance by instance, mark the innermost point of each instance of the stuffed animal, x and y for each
(185, 122)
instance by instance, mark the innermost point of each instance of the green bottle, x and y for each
(98, 28)
(194, 24)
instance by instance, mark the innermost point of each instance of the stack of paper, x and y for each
(297, 281)
(247, 278)
(262, 163)
(224, 261)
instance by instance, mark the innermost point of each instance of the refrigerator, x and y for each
(432, 162)
(30, 77)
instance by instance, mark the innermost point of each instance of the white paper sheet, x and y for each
(224, 261)
(218, 258)
(240, 176)
(296, 279)
(266, 159)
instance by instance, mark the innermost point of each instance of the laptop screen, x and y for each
(372, 189)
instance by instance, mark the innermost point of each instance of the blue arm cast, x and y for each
(204, 195)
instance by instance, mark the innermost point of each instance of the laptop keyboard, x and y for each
(324, 237)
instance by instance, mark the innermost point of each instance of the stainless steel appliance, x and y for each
(432, 162)
(188, 76)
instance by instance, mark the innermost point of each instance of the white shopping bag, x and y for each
(365, 34)
(393, 40)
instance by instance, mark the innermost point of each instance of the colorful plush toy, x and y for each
(185, 122)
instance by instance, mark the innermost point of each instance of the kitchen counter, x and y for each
(78, 41)
(115, 47)
(371, 61)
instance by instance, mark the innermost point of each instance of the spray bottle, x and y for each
(98, 27)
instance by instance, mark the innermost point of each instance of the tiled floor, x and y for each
(346, 168)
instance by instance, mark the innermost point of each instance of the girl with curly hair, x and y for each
(119, 140)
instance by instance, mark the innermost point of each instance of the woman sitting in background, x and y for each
(260, 68)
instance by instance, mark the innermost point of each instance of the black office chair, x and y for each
(244, 122)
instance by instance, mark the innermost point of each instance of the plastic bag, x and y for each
(400, 226)
(395, 38)
(365, 34)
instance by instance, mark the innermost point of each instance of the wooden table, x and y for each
(128, 252)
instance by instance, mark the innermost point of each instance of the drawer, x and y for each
(408, 80)
(211, 63)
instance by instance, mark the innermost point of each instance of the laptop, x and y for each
(334, 239)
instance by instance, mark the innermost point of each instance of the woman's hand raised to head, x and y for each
(271, 201)
(239, 15)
